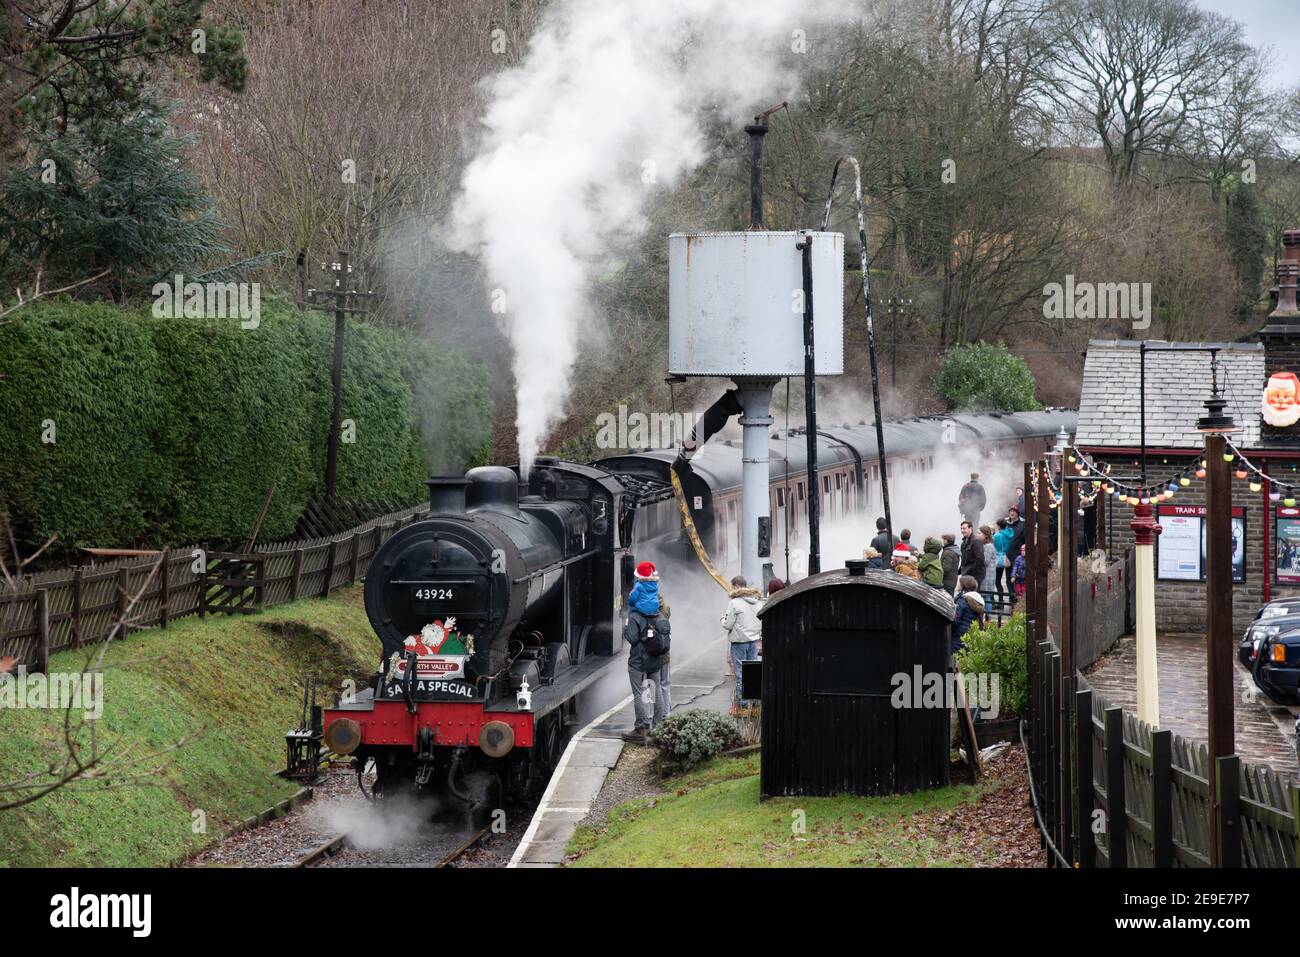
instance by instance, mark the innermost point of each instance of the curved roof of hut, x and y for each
(937, 598)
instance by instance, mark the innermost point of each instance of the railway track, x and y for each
(328, 849)
(336, 845)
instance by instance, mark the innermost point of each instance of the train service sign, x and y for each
(1281, 403)
(1181, 543)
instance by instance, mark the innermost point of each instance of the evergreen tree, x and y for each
(65, 63)
(985, 377)
(116, 196)
(1247, 241)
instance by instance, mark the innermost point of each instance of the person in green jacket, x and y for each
(931, 564)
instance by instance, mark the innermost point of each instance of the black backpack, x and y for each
(655, 642)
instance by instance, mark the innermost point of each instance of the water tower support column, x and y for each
(756, 398)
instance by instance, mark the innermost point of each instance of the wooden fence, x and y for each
(1151, 787)
(1104, 609)
(67, 608)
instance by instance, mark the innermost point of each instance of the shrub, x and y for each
(1000, 650)
(982, 377)
(689, 738)
(169, 431)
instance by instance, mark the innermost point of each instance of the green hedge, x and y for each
(169, 431)
(999, 649)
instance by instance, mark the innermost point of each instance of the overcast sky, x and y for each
(1274, 23)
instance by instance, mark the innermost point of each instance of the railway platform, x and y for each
(699, 681)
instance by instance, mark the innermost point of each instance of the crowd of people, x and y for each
(985, 569)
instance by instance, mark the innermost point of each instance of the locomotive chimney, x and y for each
(447, 494)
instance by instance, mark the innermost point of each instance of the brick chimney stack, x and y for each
(1281, 336)
(1287, 272)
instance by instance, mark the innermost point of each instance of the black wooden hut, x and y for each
(832, 645)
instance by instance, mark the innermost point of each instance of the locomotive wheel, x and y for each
(552, 740)
(546, 751)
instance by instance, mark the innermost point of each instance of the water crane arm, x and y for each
(871, 331)
(712, 422)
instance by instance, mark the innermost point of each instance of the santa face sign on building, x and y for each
(1281, 404)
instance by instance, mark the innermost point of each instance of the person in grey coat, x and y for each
(988, 580)
(741, 624)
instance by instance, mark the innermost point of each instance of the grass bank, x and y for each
(712, 818)
(228, 685)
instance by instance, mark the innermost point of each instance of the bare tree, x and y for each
(352, 131)
(1136, 73)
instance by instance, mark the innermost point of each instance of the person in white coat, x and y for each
(740, 622)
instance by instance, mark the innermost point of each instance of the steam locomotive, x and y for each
(494, 613)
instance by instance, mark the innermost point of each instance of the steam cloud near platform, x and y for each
(605, 110)
(925, 502)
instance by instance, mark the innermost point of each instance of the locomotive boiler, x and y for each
(494, 614)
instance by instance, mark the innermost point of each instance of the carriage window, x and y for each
(780, 497)
(800, 489)
(826, 484)
(839, 481)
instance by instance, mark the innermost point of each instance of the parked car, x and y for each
(1276, 665)
(1278, 607)
(1261, 628)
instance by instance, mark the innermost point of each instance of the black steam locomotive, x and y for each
(494, 614)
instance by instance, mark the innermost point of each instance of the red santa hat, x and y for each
(646, 572)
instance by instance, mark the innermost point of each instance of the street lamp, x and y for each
(1225, 847)
(1057, 453)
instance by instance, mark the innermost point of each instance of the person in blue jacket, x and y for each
(969, 611)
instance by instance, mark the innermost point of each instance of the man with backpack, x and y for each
(648, 636)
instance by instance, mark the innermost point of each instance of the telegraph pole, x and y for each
(342, 295)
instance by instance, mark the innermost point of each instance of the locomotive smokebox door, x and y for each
(846, 654)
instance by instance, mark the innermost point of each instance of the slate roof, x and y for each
(1178, 383)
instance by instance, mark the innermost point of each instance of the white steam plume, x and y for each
(603, 111)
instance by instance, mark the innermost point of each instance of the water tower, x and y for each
(754, 307)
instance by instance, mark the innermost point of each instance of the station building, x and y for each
(1260, 379)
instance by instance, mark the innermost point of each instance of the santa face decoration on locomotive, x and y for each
(1281, 405)
(441, 652)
